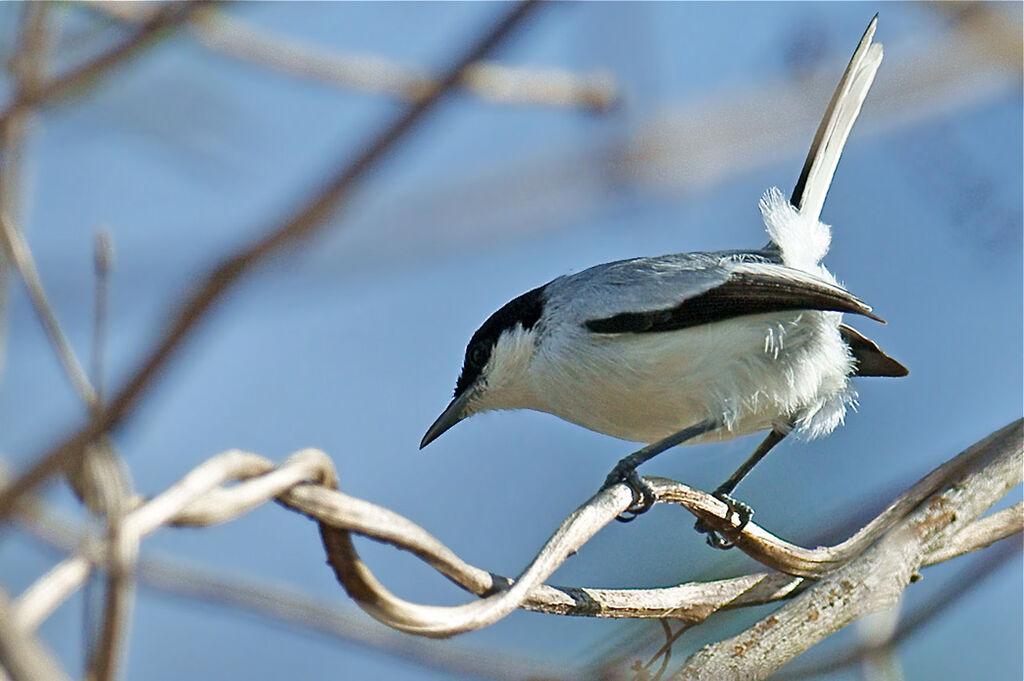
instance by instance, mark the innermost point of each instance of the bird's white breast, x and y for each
(748, 373)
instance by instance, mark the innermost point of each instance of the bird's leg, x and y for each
(625, 470)
(722, 492)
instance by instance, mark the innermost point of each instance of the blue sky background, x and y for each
(352, 344)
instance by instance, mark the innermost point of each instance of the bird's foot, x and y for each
(743, 512)
(643, 496)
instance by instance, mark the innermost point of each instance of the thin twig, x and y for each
(103, 260)
(18, 253)
(309, 219)
(976, 536)
(665, 651)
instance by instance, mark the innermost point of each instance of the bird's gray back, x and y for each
(642, 284)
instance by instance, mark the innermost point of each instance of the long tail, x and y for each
(816, 177)
(794, 226)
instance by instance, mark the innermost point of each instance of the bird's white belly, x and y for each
(747, 373)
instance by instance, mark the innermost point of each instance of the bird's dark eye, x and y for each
(477, 355)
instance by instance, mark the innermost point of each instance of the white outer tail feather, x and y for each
(838, 122)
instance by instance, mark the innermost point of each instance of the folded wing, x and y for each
(750, 288)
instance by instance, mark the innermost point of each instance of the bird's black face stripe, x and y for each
(524, 310)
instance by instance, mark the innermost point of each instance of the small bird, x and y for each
(693, 347)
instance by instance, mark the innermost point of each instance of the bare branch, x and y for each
(33, 92)
(309, 219)
(18, 253)
(288, 606)
(962, 584)
(121, 555)
(981, 533)
(99, 478)
(238, 39)
(103, 472)
(103, 261)
(785, 557)
(305, 483)
(874, 580)
(27, 66)
(21, 655)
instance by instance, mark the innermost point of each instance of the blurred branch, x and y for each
(93, 482)
(287, 606)
(27, 66)
(17, 253)
(101, 480)
(22, 657)
(681, 149)
(309, 219)
(168, 17)
(989, 28)
(309, 612)
(103, 262)
(98, 478)
(238, 39)
(122, 537)
(121, 555)
(877, 631)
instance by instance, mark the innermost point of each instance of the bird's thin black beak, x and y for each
(452, 414)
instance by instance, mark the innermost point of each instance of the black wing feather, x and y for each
(740, 295)
(871, 359)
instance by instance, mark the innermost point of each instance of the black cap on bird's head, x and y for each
(524, 311)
